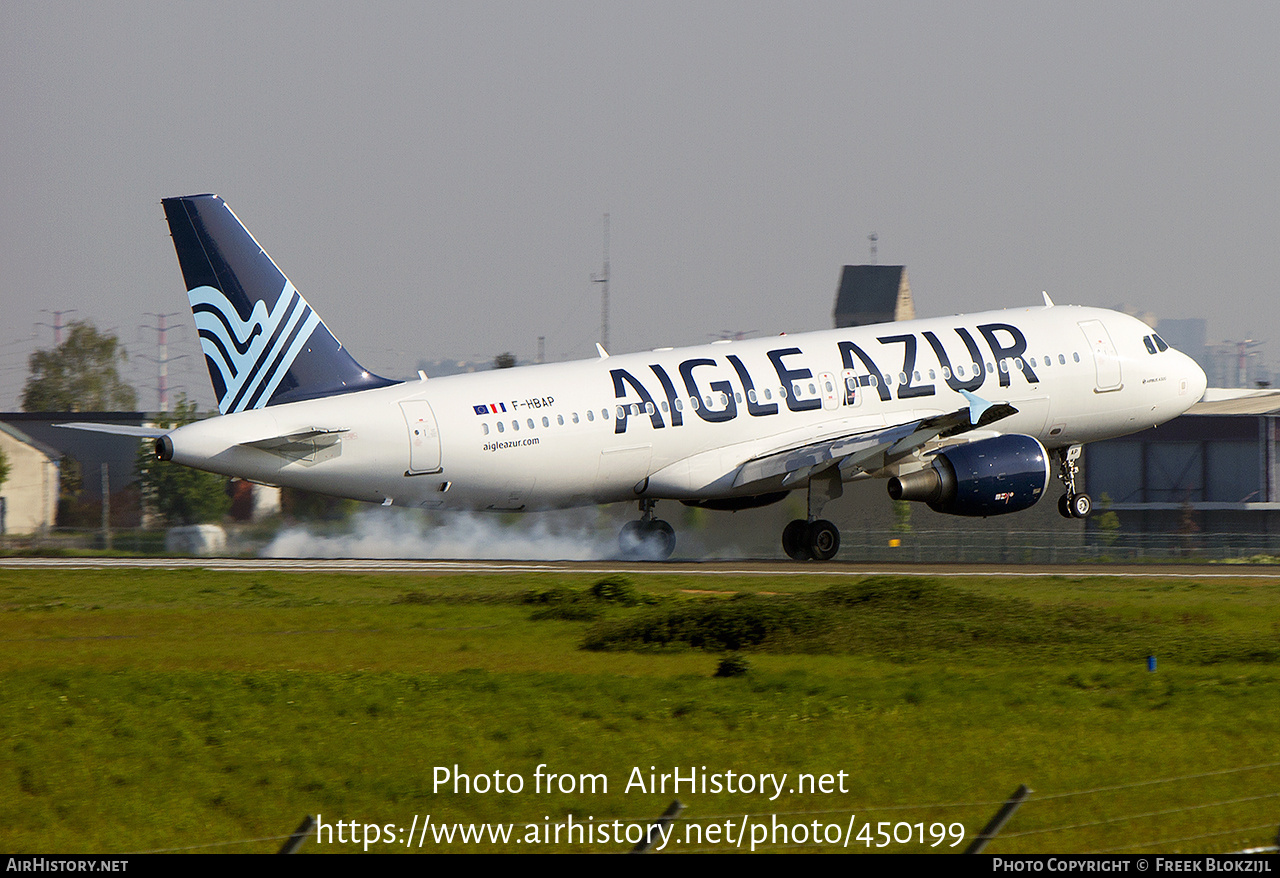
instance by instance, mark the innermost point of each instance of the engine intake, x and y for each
(987, 477)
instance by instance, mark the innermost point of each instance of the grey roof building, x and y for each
(873, 294)
(1213, 473)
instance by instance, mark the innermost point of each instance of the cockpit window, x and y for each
(1160, 343)
(1151, 345)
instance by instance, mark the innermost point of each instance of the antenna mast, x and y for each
(603, 280)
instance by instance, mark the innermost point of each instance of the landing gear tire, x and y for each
(1077, 506)
(1081, 506)
(662, 539)
(810, 540)
(795, 540)
(652, 540)
(823, 540)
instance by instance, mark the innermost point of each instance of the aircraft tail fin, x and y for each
(263, 344)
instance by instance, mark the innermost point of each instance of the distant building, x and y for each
(29, 496)
(93, 451)
(873, 294)
(1212, 475)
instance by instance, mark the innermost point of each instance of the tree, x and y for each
(79, 375)
(179, 494)
(1108, 523)
(4, 467)
(505, 360)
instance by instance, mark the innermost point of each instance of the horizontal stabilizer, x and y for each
(274, 443)
(119, 429)
(307, 447)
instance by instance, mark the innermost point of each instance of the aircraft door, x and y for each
(424, 437)
(830, 391)
(1105, 359)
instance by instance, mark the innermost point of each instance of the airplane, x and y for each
(971, 415)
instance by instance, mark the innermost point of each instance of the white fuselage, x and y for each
(680, 423)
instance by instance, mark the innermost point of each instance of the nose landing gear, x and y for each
(1071, 504)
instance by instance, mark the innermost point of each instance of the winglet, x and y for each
(604, 355)
(1048, 303)
(977, 405)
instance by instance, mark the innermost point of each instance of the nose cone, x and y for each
(1197, 381)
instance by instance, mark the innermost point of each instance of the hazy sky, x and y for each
(433, 176)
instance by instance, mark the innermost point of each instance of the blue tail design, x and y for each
(263, 343)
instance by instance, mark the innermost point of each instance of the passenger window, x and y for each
(768, 394)
(679, 405)
(515, 425)
(560, 420)
(591, 414)
(604, 414)
(1075, 356)
(575, 418)
(946, 372)
(693, 403)
(500, 427)
(531, 423)
(546, 422)
(990, 369)
(648, 408)
(485, 428)
(812, 389)
(1062, 361)
(751, 395)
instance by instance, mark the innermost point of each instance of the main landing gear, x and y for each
(649, 539)
(1071, 504)
(815, 539)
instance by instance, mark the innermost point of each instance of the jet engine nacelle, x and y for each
(988, 477)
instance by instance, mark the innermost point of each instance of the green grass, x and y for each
(157, 709)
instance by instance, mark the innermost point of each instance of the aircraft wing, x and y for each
(870, 449)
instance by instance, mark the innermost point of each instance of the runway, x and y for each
(768, 568)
